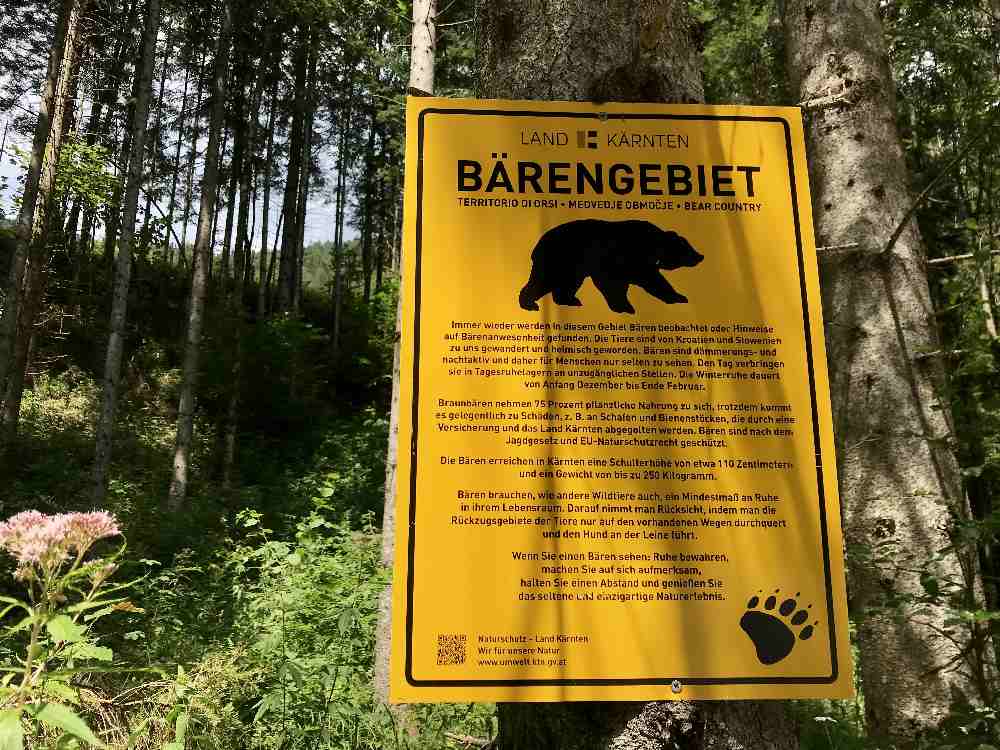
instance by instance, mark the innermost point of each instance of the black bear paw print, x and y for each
(770, 631)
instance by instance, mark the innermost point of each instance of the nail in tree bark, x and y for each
(900, 483)
(123, 263)
(199, 282)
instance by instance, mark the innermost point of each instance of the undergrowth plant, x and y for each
(53, 627)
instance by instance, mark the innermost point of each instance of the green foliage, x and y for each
(743, 51)
(84, 175)
(287, 658)
(54, 627)
(309, 611)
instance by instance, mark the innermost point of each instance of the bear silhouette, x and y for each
(614, 254)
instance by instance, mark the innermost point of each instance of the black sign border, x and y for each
(757, 680)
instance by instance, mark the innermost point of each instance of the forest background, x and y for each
(198, 334)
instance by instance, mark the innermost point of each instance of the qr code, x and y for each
(451, 649)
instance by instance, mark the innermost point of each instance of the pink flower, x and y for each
(34, 538)
(86, 528)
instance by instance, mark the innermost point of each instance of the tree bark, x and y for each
(202, 248)
(154, 151)
(304, 175)
(338, 239)
(25, 235)
(900, 484)
(235, 167)
(123, 264)
(423, 45)
(286, 267)
(614, 51)
(366, 225)
(266, 204)
(172, 203)
(241, 261)
(33, 276)
(422, 50)
(192, 155)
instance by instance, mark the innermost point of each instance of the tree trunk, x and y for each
(366, 236)
(900, 484)
(274, 255)
(114, 212)
(265, 208)
(172, 203)
(423, 45)
(220, 205)
(199, 282)
(241, 260)
(25, 235)
(192, 155)
(235, 166)
(154, 151)
(614, 51)
(338, 239)
(123, 265)
(31, 285)
(380, 242)
(286, 268)
(303, 199)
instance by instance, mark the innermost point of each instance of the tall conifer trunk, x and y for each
(286, 267)
(154, 150)
(900, 485)
(29, 287)
(192, 156)
(181, 118)
(266, 203)
(618, 50)
(25, 234)
(304, 176)
(241, 261)
(123, 263)
(422, 50)
(199, 282)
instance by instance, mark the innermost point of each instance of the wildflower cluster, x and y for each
(41, 543)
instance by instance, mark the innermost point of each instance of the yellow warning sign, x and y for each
(616, 470)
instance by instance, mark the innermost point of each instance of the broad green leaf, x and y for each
(88, 651)
(11, 734)
(95, 603)
(62, 717)
(345, 621)
(181, 727)
(61, 690)
(61, 628)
